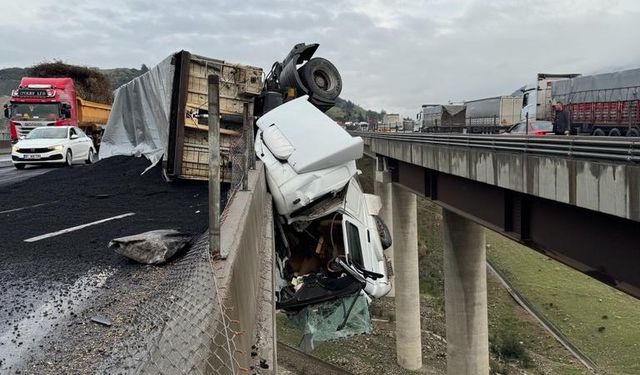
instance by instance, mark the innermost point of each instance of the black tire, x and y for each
(68, 161)
(90, 157)
(321, 78)
(598, 133)
(383, 232)
(633, 132)
(19, 166)
(614, 132)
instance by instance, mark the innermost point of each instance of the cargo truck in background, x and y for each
(53, 102)
(601, 105)
(486, 116)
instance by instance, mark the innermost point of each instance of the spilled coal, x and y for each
(50, 287)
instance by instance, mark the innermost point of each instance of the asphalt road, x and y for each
(56, 267)
(9, 175)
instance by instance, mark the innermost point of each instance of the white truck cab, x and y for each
(329, 239)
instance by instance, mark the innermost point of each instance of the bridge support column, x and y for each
(407, 293)
(382, 188)
(465, 284)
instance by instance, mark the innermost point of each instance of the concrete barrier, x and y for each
(246, 277)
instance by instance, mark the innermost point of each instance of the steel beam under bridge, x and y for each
(600, 244)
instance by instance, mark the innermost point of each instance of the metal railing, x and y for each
(609, 148)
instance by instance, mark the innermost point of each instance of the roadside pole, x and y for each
(214, 163)
(249, 158)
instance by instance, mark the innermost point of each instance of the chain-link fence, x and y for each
(182, 326)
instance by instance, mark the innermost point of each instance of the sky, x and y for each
(392, 55)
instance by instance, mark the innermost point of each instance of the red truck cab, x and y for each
(41, 102)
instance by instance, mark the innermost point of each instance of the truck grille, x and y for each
(24, 129)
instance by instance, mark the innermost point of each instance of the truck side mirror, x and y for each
(66, 110)
(6, 111)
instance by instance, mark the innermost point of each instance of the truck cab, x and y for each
(40, 102)
(536, 97)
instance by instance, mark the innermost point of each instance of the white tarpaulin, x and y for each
(139, 120)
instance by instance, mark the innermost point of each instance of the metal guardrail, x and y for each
(600, 148)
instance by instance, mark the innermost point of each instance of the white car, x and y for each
(53, 144)
(329, 239)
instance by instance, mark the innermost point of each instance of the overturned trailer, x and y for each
(162, 114)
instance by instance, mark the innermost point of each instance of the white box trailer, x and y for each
(498, 111)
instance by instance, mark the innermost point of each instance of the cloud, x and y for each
(392, 54)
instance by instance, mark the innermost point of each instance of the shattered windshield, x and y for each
(35, 111)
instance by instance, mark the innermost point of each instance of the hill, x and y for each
(10, 77)
(346, 110)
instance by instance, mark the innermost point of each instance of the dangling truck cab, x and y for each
(53, 102)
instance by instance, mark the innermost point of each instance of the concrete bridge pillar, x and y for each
(465, 284)
(407, 290)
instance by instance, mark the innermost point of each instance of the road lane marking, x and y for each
(26, 207)
(78, 227)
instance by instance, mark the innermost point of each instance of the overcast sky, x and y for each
(393, 55)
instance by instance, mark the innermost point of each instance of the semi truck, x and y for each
(599, 105)
(53, 102)
(488, 115)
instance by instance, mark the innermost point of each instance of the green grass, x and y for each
(602, 322)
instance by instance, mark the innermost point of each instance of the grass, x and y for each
(599, 320)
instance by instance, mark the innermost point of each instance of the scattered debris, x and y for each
(103, 320)
(153, 247)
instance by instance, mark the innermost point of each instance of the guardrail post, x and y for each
(214, 163)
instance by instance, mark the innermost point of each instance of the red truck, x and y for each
(53, 102)
(605, 104)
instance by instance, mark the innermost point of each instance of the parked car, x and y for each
(535, 128)
(330, 242)
(53, 145)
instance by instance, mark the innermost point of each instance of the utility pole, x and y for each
(214, 163)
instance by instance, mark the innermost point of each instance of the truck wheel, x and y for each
(633, 132)
(614, 132)
(598, 132)
(90, 157)
(69, 159)
(322, 78)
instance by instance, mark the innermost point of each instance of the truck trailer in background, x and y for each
(53, 102)
(601, 104)
(490, 115)
(442, 118)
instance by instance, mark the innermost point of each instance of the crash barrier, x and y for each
(210, 315)
(605, 148)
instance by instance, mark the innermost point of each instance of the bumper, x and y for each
(47, 157)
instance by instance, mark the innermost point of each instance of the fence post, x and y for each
(247, 129)
(214, 163)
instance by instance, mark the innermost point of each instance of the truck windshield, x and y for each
(48, 133)
(35, 111)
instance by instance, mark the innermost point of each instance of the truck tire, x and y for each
(68, 161)
(633, 132)
(598, 133)
(614, 132)
(321, 78)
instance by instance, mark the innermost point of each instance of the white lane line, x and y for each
(26, 207)
(72, 229)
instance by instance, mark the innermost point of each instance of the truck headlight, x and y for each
(57, 148)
